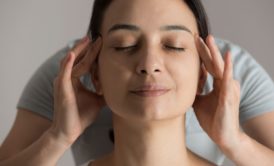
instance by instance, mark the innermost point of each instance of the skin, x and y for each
(149, 122)
(75, 108)
(166, 67)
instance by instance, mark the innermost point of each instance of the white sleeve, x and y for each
(257, 87)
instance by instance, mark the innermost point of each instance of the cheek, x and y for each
(114, 76)
(187, 87)
(185, 75)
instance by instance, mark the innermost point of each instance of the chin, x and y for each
(152, 112)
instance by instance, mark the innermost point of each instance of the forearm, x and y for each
(46, 151)
(248, 152)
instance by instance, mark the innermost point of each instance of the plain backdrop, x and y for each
(33, 30)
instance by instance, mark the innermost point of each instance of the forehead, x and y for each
(149, 14)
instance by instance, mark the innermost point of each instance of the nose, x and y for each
(149, 64)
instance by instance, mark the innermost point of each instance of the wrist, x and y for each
(246, 151)
(59, 138)
(233, 146)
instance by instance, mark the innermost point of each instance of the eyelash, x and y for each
(175, 48)
(130, 48)
(125, 49)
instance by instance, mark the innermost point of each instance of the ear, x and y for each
(95, 79)
(202, 79)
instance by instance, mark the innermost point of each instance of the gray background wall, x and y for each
(32, 30)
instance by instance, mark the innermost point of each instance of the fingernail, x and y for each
(201, 40)
(213, 39)
(85, 39)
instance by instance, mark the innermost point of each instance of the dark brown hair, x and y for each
(100, 6)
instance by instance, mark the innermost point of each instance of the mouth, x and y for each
(150, 90)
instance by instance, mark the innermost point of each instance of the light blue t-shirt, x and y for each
(257, 97)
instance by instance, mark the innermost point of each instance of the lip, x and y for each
(150, 90)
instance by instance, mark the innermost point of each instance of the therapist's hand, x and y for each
(218, 111)
(75, 107)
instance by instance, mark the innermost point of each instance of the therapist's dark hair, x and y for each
(100, 6)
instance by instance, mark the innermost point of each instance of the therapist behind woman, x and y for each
(150, 62)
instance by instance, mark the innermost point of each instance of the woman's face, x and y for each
(148, 66)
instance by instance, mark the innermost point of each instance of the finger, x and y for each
(203, 80)
(228, 70)
(62, 64)
(85, 64)
(227, 80)
(237, 89)
(80, 46)
(203, 50)
(218, 62)
(75, 50)
(81, 55)
(205, 55)
(68, 67)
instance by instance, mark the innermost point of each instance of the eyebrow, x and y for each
(123, 27)
(136, 28)
(176, 28)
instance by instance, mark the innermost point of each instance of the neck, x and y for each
(158, 143)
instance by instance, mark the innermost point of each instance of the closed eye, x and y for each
(130, 48)
(174, 48)
(127, 48)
